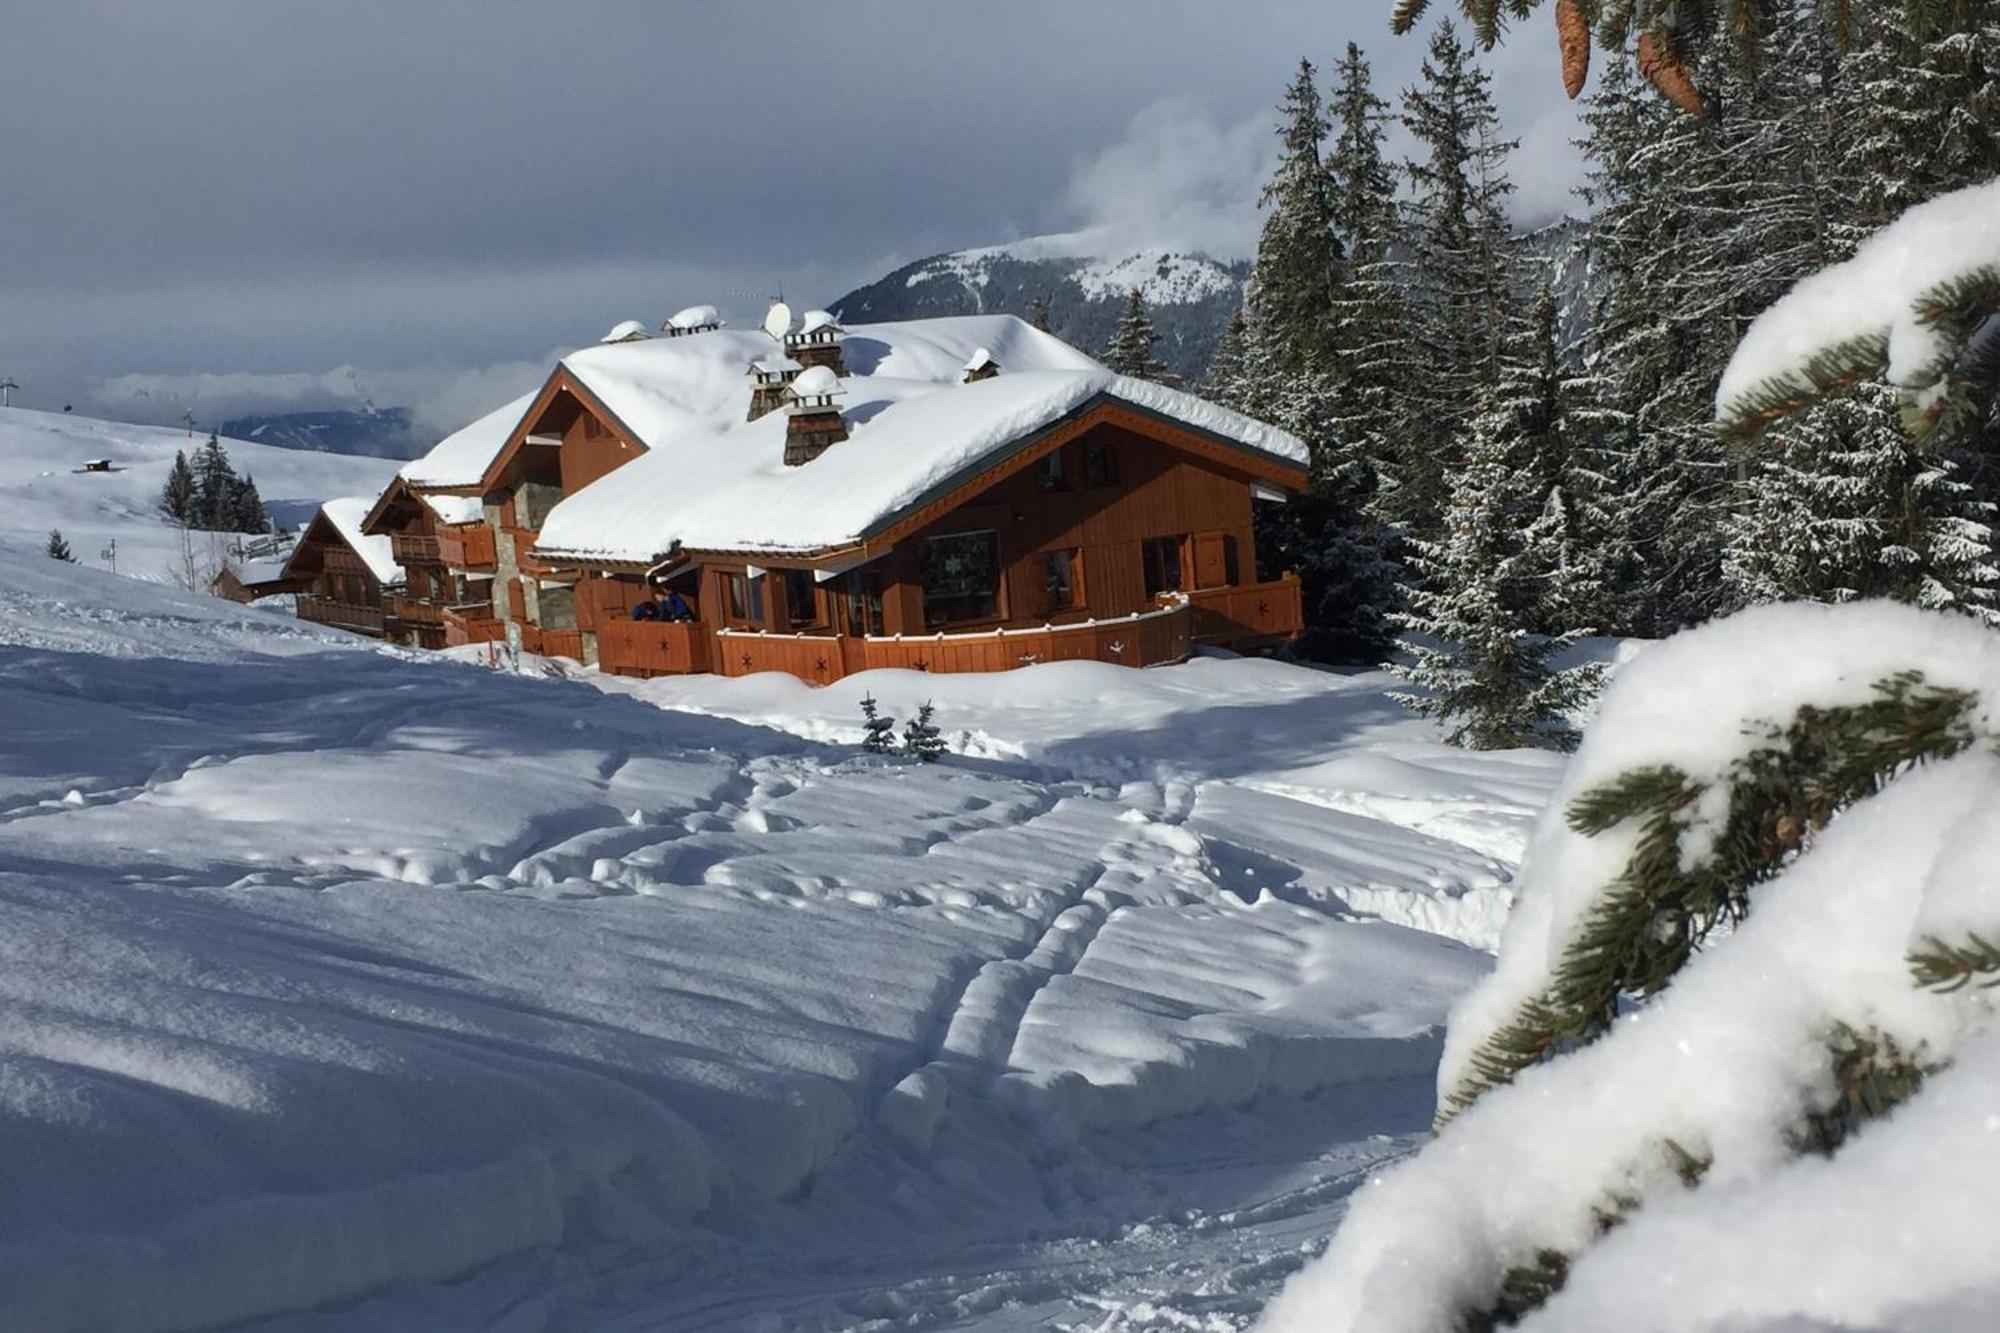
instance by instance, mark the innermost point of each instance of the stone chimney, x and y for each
(817, 342)
(768, 381)
(813, 423)
(982, 366)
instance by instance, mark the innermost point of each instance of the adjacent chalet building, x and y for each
(964, 494)
(344, 577)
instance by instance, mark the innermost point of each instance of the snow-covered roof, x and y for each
(817, 382)
(774, 367)
(816, 319)
(461, 458)
(346, 513)
(454, 508)
(694, 317)
(712, 481)
(625, 330)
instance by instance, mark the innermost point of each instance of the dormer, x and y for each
(982, 366)
(769, 377)
(694, 319)
(813, 423)
(817, 342)
(626, 331)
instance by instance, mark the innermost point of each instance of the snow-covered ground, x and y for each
(349, 988)
(43, 486)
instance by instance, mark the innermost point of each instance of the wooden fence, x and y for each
(651, 647)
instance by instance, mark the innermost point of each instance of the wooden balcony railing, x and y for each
(552, 642)
(410, 550)
(413, 611)
(343, 615)
(651, 648)
(467, 547)
(471, 622)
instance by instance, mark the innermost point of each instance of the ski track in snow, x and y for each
(1064, 1032)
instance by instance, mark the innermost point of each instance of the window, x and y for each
(864, 604)
(1059, 578)
(801, 599)
(961, 576)
(1162, 556)
(1049, 472)
(1100, 464)
(744, 598)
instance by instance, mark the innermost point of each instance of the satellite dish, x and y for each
(778, 320)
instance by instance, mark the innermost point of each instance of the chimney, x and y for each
(813, 423)
(982, 366)
(817, 342)
(694, 319)
(626, 331)
(768, 380)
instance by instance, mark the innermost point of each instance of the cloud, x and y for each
(1179, 179)
(440, 398)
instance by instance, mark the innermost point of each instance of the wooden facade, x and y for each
(1114, 535)
(335, 585)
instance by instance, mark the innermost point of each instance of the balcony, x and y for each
(412, 611)
(409, 550)
(651, 647)
(467, 547)
(341, 615)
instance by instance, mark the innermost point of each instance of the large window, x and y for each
(801, 599)
(961, 578)
(1162, 556)
(1059, 579)
(743, 599)
(864, 604)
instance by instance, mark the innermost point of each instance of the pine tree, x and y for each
(1369, 346)
(1460, 272)
(177, 498)
(1130, 351)
(1507, 567)
(921, 739)
(1296, 278)
(214, 486)
(58, 548)
(878, 733)
(1038, 313)
(243, 508)
(1225, 382)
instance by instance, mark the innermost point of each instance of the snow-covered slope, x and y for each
(328, 972)
(43, 486)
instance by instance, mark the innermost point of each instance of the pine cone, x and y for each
(1573, 36)
(1661, 65)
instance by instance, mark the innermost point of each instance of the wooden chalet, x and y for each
(901, 511)
(344, 577)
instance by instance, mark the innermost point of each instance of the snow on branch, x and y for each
(1917, 300)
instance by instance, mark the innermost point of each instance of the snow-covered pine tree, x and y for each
(58, 547)
(1370, 346)
(878, 732)
(178, 496)
(1478, 660)
(921, 737)
(1296, 278)
(1130, 351)
(1461, 277)
(1038, 313)
(1225, 380)
(1840, 504)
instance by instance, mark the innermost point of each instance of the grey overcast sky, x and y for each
(260, 204)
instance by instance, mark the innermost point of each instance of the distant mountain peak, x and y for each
(1083, 275)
